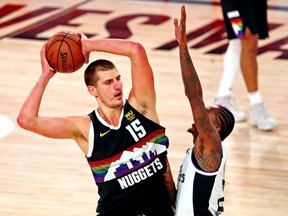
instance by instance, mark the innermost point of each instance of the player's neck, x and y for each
(110, 115)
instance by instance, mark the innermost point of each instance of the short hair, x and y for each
(227, 122)
(95, 66)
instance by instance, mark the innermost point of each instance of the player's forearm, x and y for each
(190, 78)
(30, 108)
(114, 46)
(170, 185)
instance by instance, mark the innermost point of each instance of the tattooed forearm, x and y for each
(190, 78)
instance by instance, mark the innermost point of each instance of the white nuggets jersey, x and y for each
(200, 193)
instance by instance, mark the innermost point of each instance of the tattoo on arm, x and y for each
(209, 162)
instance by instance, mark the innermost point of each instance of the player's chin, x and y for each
(118, 102)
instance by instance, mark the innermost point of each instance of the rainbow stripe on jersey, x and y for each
(131, 159)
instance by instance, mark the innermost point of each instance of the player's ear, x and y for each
(218, 128)
(92, 90)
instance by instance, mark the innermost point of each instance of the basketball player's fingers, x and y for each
(43, 49)
(176, 23)
(183, 13)
(85, 53)
(176, 29)
(183, 16)
(84, 38)
(43, 55)
(87, 58)
(44, 63)
(82, 35)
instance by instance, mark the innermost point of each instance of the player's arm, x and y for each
(52, 127)
(208, 144)
(170, 185)
(143, 92)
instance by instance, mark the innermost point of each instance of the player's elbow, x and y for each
(24, 122)
(21, 121)
(137, 48)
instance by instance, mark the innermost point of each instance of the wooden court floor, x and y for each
(45, 177)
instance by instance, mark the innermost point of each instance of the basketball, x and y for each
(64, 53)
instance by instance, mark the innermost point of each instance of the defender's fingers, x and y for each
(176, 22)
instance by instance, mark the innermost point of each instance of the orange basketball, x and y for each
(63, 52)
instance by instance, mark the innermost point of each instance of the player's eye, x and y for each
(108, 82)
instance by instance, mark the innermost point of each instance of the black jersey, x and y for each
(128, 163)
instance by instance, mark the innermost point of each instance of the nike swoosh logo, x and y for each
(103, 134)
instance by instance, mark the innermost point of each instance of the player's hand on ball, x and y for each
(44, 63)
(85, 46)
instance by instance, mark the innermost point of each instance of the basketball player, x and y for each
(246, 22)
(201, 177)
(122, 140)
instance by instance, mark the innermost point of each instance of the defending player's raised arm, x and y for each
(192, 85)
(143, 92)
(208, 136)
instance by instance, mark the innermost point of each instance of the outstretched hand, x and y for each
(180, 27)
